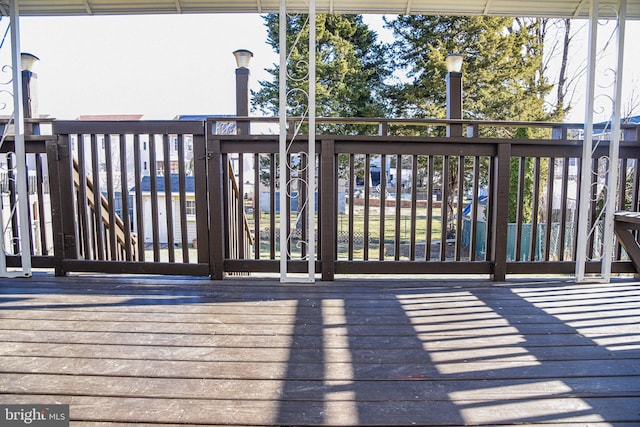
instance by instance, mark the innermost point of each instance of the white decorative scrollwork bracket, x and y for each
(599, 179)
(297, 167)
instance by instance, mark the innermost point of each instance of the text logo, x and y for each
(34, 415)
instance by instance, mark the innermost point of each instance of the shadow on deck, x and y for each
(378, 352)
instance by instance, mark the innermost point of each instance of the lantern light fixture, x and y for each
(454, 62)
(243, 57)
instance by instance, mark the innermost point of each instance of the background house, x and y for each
(190, 196)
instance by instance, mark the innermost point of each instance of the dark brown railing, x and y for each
(145, 180)
(393, 196)
(40, 218)
(358, 236)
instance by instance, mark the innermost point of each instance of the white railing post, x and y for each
(609, 179)
(20, 154)
(287, 137)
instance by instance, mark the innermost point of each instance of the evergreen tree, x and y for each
(351, 68)
(503, 78)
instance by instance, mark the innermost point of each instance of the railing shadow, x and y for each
(405, 353)
(467, 356)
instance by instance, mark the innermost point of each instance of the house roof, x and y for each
(110, 117)
(539, 8)
(145, 184)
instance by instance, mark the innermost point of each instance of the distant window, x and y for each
(175, 144)
(33, 184)
(144, 145)
(191, 207)
(145, 165)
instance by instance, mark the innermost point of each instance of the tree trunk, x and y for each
(562, 78)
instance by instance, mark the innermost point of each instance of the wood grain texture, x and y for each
(177, 351)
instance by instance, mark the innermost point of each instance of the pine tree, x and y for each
(351, 68)
(503, 77)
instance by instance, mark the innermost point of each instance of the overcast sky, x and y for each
(163, 65)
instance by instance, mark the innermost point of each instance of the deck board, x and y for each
(174, 351)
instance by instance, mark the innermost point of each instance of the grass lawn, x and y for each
(343, 230)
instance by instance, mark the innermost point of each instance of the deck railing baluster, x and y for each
(86, 246)
(414, 207)
(182, 200)
(562, 229)
(155, 226)
(430, 194)
(273, 233)
(367, 194)
(227, 208)
(635, 190)
(444, 207)
(398, 205)
(124, 195)
(533, 256)
(256, 205)
(622, 200)
(168, 196)
(459, 207)
(40, 187)
(139, 220)
(98, 230)
(522, 163)
(473, 221)
(303, 209)
(13, 201)
(113, 248)
(593, 244)
(549, 210)
(328, 208)
(351, 195)
(239, 212)
(383, 206)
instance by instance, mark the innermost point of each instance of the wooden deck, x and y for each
(254, 352)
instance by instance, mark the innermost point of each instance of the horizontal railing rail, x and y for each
(387, 126)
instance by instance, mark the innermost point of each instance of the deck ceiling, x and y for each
(538, 8)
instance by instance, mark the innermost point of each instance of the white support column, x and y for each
(610, 182)
(283, 155)
(614, 148)
(587, 148)
(287, 137)
(311, 164)
(20, 153)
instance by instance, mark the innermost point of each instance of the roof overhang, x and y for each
(536, 8)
